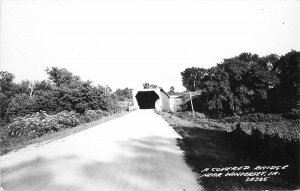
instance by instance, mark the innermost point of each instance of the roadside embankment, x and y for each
(210, 145)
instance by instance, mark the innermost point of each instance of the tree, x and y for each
(239, 85)
(20, 105)
(43, 85)
(286, 95)
(146, 85)
(7, 90)
(171, 91)
(62, 77)
(153, 86)
(23, 86)
(6, 77)
(216, 92)
(4, 101)
(149, 86)
(191, 78)
(6, 83)
(123, 94)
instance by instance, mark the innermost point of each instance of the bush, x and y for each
(255, 117)
(49, 101)
(20, 105)
(37, 124)
(267, 124)
(58, 100)
(67, 119)
(294, 114)
(92, 115)
(40, 123)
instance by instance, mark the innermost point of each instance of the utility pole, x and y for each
(192, 105)
(195, 82)
(191, 95)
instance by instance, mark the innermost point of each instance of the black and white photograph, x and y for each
(149, 95)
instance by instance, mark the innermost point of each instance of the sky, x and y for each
(125, 43)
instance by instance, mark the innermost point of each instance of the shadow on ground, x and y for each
(150, 163)
(215, 149)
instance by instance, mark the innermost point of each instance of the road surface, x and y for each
(135, 152)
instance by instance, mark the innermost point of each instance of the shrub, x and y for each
(91, 115)
(267, 124)
(37, 124)
(20, 105)
(294, 114)
(49, 101)
(67, 119)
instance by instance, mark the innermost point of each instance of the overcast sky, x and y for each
(128, 42)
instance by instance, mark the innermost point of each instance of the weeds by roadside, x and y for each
(266, 124)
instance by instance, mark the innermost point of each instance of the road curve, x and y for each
(135, 152)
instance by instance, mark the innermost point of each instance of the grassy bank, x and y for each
(16, 143)
(209, 143)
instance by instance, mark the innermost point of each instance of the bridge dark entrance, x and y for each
(146, 99)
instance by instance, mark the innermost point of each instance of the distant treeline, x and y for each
(61, 91)
(247, 84)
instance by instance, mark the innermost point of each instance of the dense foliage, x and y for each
(32, 109)
(30, 126)
(274, 125)
(39, 123)
(123, 94)
(62, 91)
(247, 84)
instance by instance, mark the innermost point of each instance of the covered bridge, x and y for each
(151, 99)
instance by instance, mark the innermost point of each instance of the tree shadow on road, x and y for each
(149, 163)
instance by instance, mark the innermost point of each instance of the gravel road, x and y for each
(135, 152)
